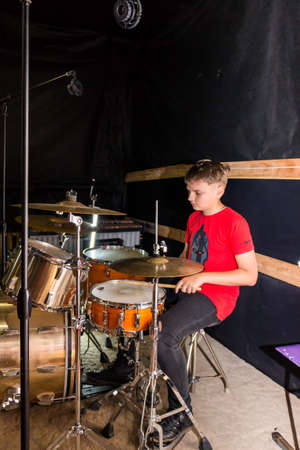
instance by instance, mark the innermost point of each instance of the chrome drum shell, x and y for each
(51, 281)
(51, 358)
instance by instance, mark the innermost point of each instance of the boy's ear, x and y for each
(220, 190)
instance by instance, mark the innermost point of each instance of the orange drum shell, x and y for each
(130, 317)
(102, 272)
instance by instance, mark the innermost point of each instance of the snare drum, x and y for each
(101, 258)
(51, 281)
(123, 308)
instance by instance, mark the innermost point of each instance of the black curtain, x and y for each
(222, 82)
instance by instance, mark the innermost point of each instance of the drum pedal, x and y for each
(108, 431)
(108, 342)
(95, 406)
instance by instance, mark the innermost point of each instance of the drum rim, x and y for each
(115, 332)
(52, 259)
(122, 305)
(140, 251)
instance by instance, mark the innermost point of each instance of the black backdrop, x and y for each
(201, 79)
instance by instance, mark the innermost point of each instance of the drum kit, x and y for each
(123, 303)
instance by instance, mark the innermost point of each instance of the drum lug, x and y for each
(46, 369)
(137, 320)
(121, 320)
(10, 372)
(104, 317)
(12, 397)
(107, 272)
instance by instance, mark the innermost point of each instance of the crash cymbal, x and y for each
(74, 207)
(55, 224)
(158, 267)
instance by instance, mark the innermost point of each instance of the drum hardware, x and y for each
(12, 398)
(51, 358)
(63, 239)
(45, 398)
(121, 308)
(51, 278)
(72, 206)
(104, 317)
(161, 267)
(155, 267)
(78, 430)
(55, 224)
(101, 259)
(87, 329)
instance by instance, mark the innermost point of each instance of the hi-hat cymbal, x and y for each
(72, 207)
(158, 267)
(55, 224)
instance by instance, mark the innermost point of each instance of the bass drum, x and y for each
(51, 358)
(101, 258)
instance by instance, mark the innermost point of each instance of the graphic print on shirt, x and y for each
(199, 250)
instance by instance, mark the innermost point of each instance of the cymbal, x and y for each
(55, 224)
(158, 267)
(72, 207)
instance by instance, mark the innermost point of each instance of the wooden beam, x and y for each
(167, 232)
(281, 270)
(275, 268)
(276, 169)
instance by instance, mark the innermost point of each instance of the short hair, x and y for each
(209, 171)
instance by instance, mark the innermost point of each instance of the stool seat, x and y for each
(191, 344)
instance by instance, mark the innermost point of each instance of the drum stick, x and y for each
(147, 283)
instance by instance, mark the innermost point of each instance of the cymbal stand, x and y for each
(78, 430)
(155, 374)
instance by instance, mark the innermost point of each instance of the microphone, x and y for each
(128, 13)
(75, 86)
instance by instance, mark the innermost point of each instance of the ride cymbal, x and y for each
(158, 267)
(55, 224)
(73, 207)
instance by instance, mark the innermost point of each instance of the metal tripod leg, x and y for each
(123, 392)
(78, 430)
(203, 442)
(192, 360)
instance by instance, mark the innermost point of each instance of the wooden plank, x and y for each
(275, 268)
(281, 270)
(277, 169)
(163, 231)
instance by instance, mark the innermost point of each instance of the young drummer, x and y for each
(219, 238)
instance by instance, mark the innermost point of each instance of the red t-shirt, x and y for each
(214, 241)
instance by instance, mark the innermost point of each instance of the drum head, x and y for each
(109, 254)
(49, 250)
(117, 291)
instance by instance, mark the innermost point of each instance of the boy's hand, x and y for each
(190, 284)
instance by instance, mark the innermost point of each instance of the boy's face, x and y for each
(203, 196)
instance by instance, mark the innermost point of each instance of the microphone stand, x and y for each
(4, 102)
(3, 222)
(24, 301)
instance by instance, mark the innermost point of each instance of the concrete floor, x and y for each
(241, 419)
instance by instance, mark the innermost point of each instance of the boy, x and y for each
(219, 238)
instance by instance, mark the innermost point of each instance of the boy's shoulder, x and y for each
(226, 215)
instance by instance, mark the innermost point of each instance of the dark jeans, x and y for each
(185, 314)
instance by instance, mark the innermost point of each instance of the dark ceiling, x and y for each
(99, 16)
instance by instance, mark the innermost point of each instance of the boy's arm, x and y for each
(244, 275)
(185, 251)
